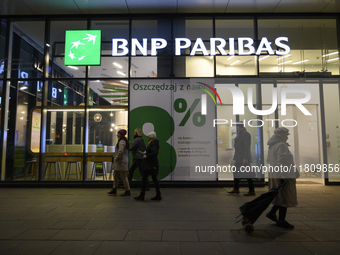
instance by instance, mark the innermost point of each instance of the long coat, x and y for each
(280, 156)
(242, 151)
(121, 159)
(151, 156)
(242, 146)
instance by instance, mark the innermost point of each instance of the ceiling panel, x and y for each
(14, 7)
(334, 6)
(252, 6)
(102, 6)
(52, 6)
(302, 5)
(32, 7)
(202, 6)
(152, 6)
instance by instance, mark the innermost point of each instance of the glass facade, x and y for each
(176, 76)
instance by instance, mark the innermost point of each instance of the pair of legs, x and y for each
(137, 163)
(250, 184)
(281, 221)
(123, 175)
(144, 185)
(282, 212)
(238, 175)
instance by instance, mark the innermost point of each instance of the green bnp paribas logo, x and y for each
(82, 47)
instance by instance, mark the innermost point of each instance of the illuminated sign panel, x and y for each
(245, 46)
(82, 47)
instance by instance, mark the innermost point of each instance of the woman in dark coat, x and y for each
(242, 158)
(151, 159)
(136, 148)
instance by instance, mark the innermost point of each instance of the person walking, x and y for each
(121, 163)
(279, 155)
(137, 148)
(151, 161)
(242, 159)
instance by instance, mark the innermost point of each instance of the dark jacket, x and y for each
(242, 146)
(137, 146)
(151, 156)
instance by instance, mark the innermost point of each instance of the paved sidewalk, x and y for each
(187, 221)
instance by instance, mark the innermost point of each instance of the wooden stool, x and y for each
(94, 172)
(33, 166)
(56, 167)
(68, 169)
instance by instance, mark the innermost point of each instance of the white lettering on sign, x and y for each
(245, 46)
(54, 93)
(238, 100)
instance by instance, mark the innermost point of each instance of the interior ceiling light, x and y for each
(117, 65)
(286, 56)
(230, 57)
(73, 67)
(122, 81)
(23, 88)
(121, 73)
(330, 54)
(332, 59)
(235, 62)
(264, 57)
(284, 62)
(300, 61)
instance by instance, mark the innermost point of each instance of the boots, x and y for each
(140, 197)
(112, 192)
(157, 197)
(127, 193)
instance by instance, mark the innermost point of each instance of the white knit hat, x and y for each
(152, 135)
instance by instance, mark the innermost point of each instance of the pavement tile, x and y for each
(36, 234)
(72, 235)
(204, 248)
(157, 248)
(36, 247)
(8, 246)
(118, 248)
(256, 236)
(329, 248)
(76, 247)
(216, 236)
(69, 224)
(100, 224)
(94, 216)
(7, 234)
(108, 235)
(286, 235)
(179, 235)
(144, 235)
(323, 235)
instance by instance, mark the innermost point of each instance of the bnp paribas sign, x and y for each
(82, 47)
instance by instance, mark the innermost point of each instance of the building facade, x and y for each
(189, 78)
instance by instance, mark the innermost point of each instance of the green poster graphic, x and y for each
(164, 127)
(82, 47)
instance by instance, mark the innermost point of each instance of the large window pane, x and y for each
(233, 64)
(198, 65)
(314, 48)
(332, 113)
(58, 29)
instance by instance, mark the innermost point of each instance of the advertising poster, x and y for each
(173, 109)
(35, 131)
